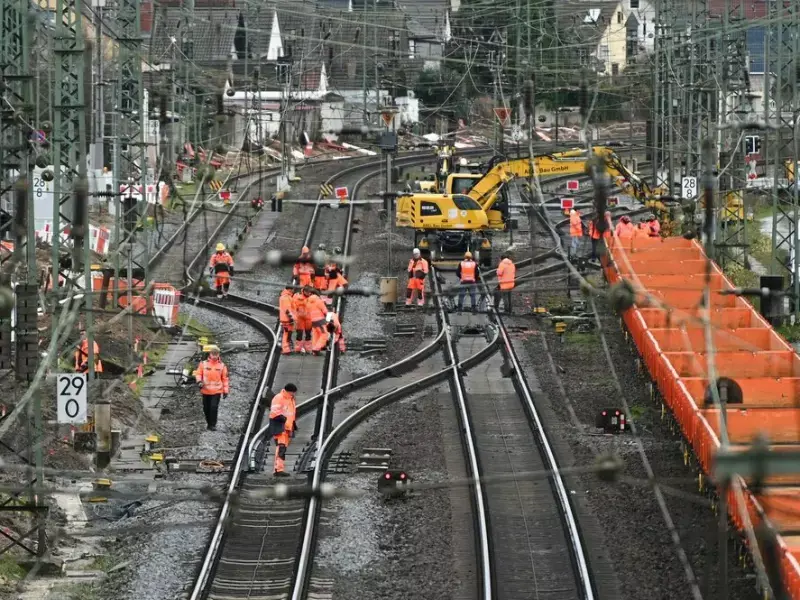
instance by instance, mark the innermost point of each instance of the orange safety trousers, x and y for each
(286, 338)
(221, 279)
(281, 443)
(319, 336)
(303, 328)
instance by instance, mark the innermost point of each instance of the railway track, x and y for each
(267, 533)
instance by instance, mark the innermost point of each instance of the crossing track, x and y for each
(267, 533)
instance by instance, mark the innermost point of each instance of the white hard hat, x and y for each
(329, 317)
(415, 252)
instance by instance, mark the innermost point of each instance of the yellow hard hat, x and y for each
(467, 254)
(220, 247)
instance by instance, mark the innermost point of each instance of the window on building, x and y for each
(634, 4)
(619, 17)
(614, 69)
(602, 52)
(631, 46)
(412, 48)
(583, 56)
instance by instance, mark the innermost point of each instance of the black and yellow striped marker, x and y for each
(215, 185)
(326, 190)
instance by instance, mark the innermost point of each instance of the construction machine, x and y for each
(444, 230)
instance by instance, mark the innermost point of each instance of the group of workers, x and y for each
(647, 226)
(468, 277)
(309, 312)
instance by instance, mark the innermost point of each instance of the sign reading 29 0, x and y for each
(72, 397)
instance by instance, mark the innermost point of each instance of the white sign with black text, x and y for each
(72, 397)
(689, 188)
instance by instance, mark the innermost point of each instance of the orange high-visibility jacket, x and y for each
(467, 271)
(300, 306)
(335, 281)
(418, 268)
(214, 376)
(594, 233)
(655, 228)
(624, 231)
(303, 271)
(82, 356)
(575, 225)
(283, 404)
(285, 306)
(317, 309)
(225, 262)
(506, 274)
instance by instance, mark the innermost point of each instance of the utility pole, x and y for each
(98, 118)
(363, 42)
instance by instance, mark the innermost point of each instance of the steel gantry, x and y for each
(781, 111)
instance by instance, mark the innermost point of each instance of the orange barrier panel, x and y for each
(666, 327)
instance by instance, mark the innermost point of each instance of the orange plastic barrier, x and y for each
(665, 324)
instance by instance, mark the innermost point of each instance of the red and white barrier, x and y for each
(153, 193)
(166, 304)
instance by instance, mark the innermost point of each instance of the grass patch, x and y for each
(581, 339)
(102, 563)
(791, 333)
(85, 591)
(195, 328)
(137, 386)
(9, 569)
(638, 411)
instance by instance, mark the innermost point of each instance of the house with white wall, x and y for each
(597, 34)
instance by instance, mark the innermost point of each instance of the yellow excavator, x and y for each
(446, 225)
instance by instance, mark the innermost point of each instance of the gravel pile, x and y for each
(636, 538)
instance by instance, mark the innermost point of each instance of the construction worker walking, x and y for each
(303, 270)
(302, 319)
(599, 228)
(467, 273)
(575, 232)
(335, 329)
(320, 278)
(212, 377)
(82, 356)
(286, 319)
(417, 272)
(282, 425)
(506, 278)
(221, 267)
(317, 311)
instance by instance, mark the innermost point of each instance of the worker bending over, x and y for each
(286, 319)
(221, 266)
(302, 319)
(467, 273)
(282, 425)
(336, 280)
(506, 277)
(320, 278)
(417, 272)
(599, 228)
(212, 377)
(317, 311)
(303, 270)
(624, 229)
(82, 356)
(335, 329)
(575, 232)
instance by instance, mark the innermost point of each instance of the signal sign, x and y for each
(225, 196)
(387, 118)
(71, 397)
(342, 193)
(613, 201)
(752, 144)
(567, 203)
(573, 185)
(326, 190)
(502, 114)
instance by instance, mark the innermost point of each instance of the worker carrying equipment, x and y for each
(599, 228)
(624, 229)
(417, 272)
(317, 310)
(467, 273)
(654, 225)
(303, 270)
(221, 267)
(82, 356)
(506, 278)
(575, 232)
(335, 329)
(286, 319)
(302, 319)
(320, 279)
(282, 425)
(212, 377)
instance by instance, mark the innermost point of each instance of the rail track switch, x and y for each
(394, 483)
(612, 420)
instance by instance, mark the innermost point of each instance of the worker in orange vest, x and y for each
(303, 270)
(642, 231)
(335, 329)
(417, 272)
(282, 425)
(467, 273)
(221, 266)
(575, 232)
(82, 356)
(506, 277)
(302, 319)
(320, 278)
(654, 225)
(624, 229)
(336, 280)
(317, 311)
(212, 376)
(286, 318)
(599, 228)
